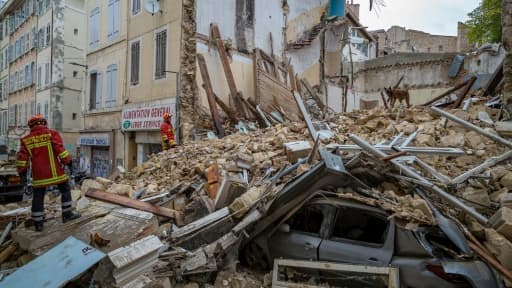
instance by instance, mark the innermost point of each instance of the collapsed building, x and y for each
(423, 193)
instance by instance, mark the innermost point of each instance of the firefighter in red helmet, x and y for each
(167, 133)
(45, 149)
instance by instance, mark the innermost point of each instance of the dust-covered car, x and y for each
(335, 230)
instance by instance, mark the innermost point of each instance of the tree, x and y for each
(485, 22)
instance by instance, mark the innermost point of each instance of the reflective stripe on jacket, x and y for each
(44, 147)
(166, 132)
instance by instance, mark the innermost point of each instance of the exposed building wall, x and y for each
(400, 39)
(142, 28)
(507, 43)
(425, 74)
(269, 20)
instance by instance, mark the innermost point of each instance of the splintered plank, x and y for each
(211, 96)
(132, 203)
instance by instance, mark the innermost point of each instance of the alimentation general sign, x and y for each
(147, 116)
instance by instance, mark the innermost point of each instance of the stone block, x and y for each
(296, 150)
(506, 200)
(502, 222)
(506, 180)
(479, 196)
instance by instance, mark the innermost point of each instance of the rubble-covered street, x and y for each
(247, 144)
(210, 197)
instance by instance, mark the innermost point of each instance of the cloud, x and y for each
(433, 16)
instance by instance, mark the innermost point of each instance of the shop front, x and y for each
(96, 153)
(141, 125)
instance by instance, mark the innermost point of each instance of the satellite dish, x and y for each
(152, 6)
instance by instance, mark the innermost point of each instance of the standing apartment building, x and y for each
(41, 78)
(152, 79)
(4, 80)
(101, 141)
(132, 77)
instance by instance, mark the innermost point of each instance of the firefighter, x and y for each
(167, 133)
(44, 148)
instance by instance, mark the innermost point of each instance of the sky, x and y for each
(432, 16)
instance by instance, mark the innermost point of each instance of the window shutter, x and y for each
(98, 90)
(115, 18)
(113, 85)
(110, 17)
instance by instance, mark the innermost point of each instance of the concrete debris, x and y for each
(202, 203)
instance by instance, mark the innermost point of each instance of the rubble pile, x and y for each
(213, 195)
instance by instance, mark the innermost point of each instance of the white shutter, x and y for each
(94, 24)
(110, 21)
(115, 18)
(111, 85)
(98, 90)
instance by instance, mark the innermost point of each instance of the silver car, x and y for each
(330, 229)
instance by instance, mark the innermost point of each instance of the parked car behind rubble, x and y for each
(335, 230)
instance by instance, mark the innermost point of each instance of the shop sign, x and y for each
(147, 117)
(94, 140)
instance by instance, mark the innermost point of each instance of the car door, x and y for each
(359, 234)
(301, 235)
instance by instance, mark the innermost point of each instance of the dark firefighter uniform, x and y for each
(44, 148)
(167, 133)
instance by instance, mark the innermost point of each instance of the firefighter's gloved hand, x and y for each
(70, 167)
(167, 144)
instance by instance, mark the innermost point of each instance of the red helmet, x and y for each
(166, 116)
(36, 120)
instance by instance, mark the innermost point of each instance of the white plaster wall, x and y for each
(304, 58)
(223, 12)
(298, 7)
(268, 19)
(242, 68)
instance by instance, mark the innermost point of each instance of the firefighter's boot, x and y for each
(39, 226)
(70, 215)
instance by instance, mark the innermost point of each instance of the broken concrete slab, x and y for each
(134, 259)
(296, 150)
(502, 222)
(499, 246)
(121, 189)
(230, 188)
(121, 226)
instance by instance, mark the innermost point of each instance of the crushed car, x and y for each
(306, 222)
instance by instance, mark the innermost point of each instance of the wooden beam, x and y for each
(313, 94)
(132, 203)
(399, 81)
(210, 95)
(446, 93)
(215, 32)
(231, 114)
(465, 92)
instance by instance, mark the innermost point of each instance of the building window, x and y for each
(135, 63)
(75, 31)
(39, 70)
(113, 19)
(75, 74)
(135, 7)
(94, 28)
(160, 54)
(25, 115)
(110, 100)
(95, 90)
(48, 34)
(46, 109)
(38, 110)
(32, 107)
(73, 116)
(440, 48)
(46, 73)
(27, 76)
(40, 39)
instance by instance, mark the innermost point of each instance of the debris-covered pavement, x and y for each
(192, 215)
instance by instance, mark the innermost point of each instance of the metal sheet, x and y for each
(56, 267)
(457, 62)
